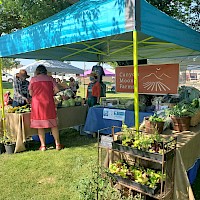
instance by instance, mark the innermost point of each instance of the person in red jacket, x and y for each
(93, 90)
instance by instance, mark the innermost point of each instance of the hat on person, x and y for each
(23, 73)
(7, 92)
(93, 74)
(71, 79)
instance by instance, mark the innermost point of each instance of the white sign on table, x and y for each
(114, 114)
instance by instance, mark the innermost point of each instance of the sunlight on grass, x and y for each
(48, 175)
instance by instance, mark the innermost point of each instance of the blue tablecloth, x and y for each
(95, 120)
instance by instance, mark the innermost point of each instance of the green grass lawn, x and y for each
(48, 175)
(52, 174)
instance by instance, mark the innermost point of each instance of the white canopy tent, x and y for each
(53, 66)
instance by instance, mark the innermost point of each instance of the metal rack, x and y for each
(166, 164)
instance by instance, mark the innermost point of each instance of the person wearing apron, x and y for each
(93, 90)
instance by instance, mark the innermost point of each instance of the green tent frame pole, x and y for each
(2, 99)
(136, 96)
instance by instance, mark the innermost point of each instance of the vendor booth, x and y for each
(133, 30)
(104, 117)
(19, 124)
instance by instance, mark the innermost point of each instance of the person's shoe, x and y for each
(59, 147)
(42, 148)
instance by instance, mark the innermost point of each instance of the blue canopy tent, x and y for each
(86, 32)
(104, 30)
(101, 30)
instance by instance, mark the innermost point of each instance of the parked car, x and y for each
(7, 77)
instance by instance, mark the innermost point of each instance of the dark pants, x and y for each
(92, 101)
(15, 104)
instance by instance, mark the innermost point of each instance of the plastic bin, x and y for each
(48, 138)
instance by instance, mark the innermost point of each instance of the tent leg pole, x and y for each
(136, 96)
(2, 100)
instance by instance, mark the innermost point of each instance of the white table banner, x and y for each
(115, 114)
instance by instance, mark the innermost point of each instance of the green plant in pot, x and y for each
(181, 116)
(9, 142)
(154, 124)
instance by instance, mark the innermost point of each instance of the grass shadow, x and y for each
(69, 138)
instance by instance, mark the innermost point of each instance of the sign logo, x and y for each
(154, 79)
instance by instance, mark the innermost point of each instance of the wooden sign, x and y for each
(152, 79)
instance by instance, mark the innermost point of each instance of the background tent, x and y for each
(107, 73)
(53, 66)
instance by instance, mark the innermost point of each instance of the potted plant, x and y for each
(181, 116)
(145, 179)
(152, 146)
(9, 143)
(154, 124)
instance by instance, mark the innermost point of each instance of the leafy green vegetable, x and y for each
(156, 118)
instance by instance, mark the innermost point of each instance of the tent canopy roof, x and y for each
(53, 66)
(86, 32)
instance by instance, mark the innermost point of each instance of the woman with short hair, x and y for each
(43, 111)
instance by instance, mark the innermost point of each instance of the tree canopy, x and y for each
(187, 11)
(9, 63)
(17, 14)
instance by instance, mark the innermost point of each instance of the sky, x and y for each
(88, 65)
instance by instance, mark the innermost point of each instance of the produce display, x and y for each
(156, 118)
(153, 143)
(127, 103)
(68, 102)
(137, 173)
(184, 109)
(19, 109)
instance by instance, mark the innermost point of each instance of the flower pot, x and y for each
(151, 127)
(10, 148)
(181, 123)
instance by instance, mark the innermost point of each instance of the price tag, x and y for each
(106, 141)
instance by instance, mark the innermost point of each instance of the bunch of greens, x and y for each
(137, 173)
(128, 135)
(156, 118)
(153, 143)
(182, 109)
